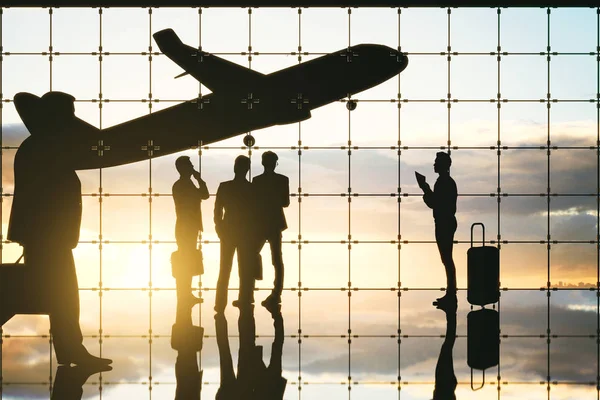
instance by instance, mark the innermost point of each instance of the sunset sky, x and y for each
(324, 262)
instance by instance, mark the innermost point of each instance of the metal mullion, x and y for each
(100, 205)
(548, 142)
(598, 203)
(199, 354)
(299, 222)
(499, 188)
(399, 208)
(150, 209)
(50, 48)
(349, 228)
(249, 67)
(1, 171)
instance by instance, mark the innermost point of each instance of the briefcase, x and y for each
(483, 341)
(21, 291)
(187, 263)
(483, 270)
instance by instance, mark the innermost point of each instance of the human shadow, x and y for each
(254, 379)
(69, 381)
(445, 379)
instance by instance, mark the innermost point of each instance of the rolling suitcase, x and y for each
(483, 341)
(483, 270)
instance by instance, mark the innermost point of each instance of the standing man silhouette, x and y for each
(234, 218)
(273, 194)
(187, 198)
(45, 219)
(443, 202)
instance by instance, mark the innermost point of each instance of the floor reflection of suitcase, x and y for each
(483, 270)
(483, 341)
(21, 292)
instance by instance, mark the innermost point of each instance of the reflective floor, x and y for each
(257, 353)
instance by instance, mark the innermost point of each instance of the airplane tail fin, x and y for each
(167, 40)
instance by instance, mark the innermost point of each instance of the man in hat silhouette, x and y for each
(45, 219)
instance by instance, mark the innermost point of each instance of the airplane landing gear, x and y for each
(351, 105)
(249, 141)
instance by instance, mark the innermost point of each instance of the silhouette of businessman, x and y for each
(273, 194)
(445, 379)
(187, 262)
(234, 218)
(442, 199)
(45, 219)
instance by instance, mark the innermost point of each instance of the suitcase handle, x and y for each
(482, 229)
(482, 383)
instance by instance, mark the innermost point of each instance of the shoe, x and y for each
(447, 302)
(271, 302)
(85, 359)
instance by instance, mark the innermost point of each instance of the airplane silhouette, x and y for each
(242, 100)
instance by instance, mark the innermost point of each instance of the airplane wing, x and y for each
(214, 72)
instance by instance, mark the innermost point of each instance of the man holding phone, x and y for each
(187, 197)
(442, 199)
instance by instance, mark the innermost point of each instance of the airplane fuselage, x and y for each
(243, 105)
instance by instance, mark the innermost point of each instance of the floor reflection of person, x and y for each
(234, 218)
(69, 381)
(442, 199)
(188, 376)
(445, 379)
(254, 380)
(273, 194)
(271, 385)
(187, 261)
(45, 219)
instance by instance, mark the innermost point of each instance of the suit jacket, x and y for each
(235, 211)
(442, 199)
(187, 198)
(46, 209)
(272, 195)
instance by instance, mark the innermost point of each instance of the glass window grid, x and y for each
(347, 238)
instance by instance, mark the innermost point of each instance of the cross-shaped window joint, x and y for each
(199, 54)
(100, 148)
(250, 101)
(150, 148)
(398, 54)
(201, 101)
(299, 100)
(349, 54)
